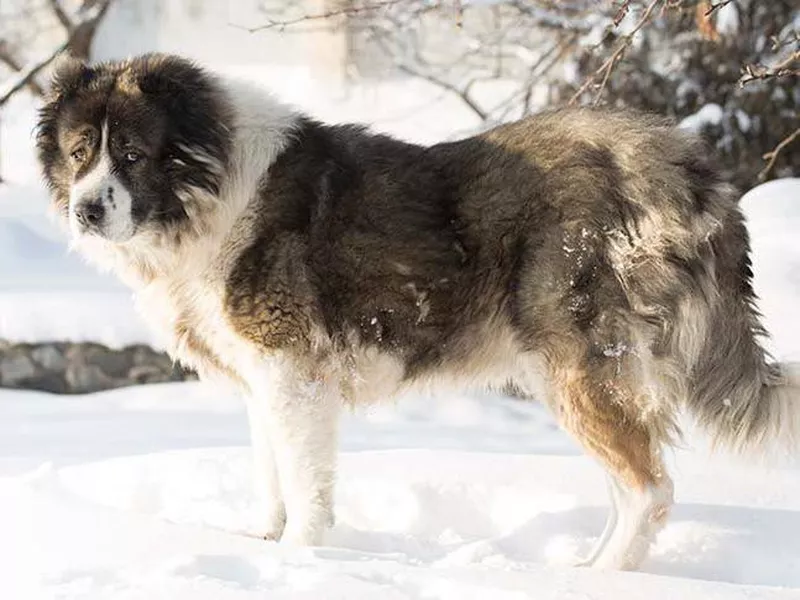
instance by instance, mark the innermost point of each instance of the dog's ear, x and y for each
(69, 75)
(173, 81)
(186, 91)
(198, 114)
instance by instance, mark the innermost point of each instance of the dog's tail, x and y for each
(754, 409)
(746, 402)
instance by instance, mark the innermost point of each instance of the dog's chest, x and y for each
(189, 314)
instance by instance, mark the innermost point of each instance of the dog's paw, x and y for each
(272, 525)
(308, 528)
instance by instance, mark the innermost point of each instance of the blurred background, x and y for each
(423, 70)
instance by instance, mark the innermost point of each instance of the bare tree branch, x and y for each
(777, 43)
(605, 69)
(559, 48)
(321, 16)
(781, 69)
(462, 93)
(61, 15)
(8, 59)
(622, 12)
(459, 10)
(26, 75)
(715, 7)
(772, 155)
(90, 18)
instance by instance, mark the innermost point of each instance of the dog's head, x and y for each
(125, 145)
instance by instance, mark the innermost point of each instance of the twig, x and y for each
(782, 69)
(608, 65)
(26, 75)
(622, 12)
(777, 43)
(715, 7)
(561, 47)
(463, 94)
(459, 10)
(328, 14)
(8, 58)
(61, 15)
(772, 155)
(615, 58)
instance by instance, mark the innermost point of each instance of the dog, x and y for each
(593, 259)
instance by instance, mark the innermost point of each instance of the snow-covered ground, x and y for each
(143, 493)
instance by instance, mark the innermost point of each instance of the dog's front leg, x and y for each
(272, 517)
(301, 413)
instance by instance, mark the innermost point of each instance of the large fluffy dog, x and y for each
(594, 260)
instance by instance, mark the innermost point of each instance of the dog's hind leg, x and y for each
(610, 526)
(597, 407)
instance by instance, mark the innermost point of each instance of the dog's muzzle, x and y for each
(91, 216)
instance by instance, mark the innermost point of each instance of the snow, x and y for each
(743, 120)
(773, 220)
(709, 115)
(143, 492)
(728, 19)
(47, 293)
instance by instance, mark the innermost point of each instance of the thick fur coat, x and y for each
(594, 260)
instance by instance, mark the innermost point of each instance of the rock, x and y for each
(46, 381)
(143, 355)
(49, 357)
(16, 367)
(62, 367)
(85, 378)
(113, 363)
(147, 374)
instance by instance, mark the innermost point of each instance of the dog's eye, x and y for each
(78, 155)
(132, 156)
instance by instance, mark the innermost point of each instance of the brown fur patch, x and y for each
(127, 84)
(268, 300)
(602, 413)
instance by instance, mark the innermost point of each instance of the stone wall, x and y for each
(75, 368)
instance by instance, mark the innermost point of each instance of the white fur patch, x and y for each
(636, 517)
(100, 184)
(297, 415)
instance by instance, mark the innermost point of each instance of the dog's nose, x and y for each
(90, 214)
